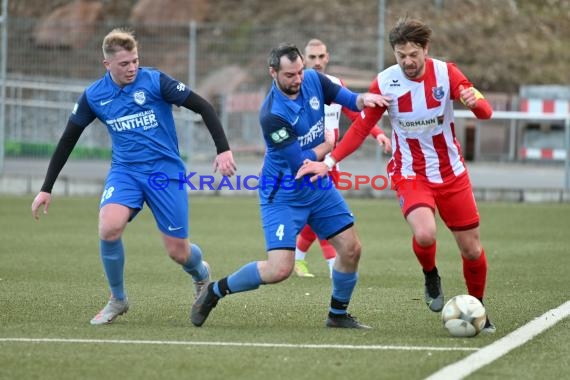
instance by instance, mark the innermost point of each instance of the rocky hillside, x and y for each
(501, 44)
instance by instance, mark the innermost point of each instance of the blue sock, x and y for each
(342, 287)
(195, 266)
(113, 259)
(244, 279)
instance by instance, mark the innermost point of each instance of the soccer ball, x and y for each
(464, 316)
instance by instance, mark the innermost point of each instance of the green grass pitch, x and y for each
(52, 283)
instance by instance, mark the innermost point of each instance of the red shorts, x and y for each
(453, 200)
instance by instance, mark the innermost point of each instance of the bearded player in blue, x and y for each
(135, 104)
(292, 122)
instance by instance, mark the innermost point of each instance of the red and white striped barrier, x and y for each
(544, 106)
(542, 154)
(550, 106)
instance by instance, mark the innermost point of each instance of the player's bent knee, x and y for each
(356, 249)
(471, 254)
(181, 257)
(110, 233)
(273, 272)
(351, 251)
(178, 253)
(424, 238)
(278, 275)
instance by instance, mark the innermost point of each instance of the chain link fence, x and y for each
(224, 63)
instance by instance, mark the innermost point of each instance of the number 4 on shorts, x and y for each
(280, 231)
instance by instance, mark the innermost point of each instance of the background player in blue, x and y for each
(135, 103)
(292, 121)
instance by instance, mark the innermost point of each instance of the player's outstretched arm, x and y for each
(473, 99)
(42, 199)
(384, 141)
(330, 137)
(62, 151)
(464, 91)
(317, 168)
(323, 149)
(224, 163)
(321, 152)
(368, 99)
(378, 134)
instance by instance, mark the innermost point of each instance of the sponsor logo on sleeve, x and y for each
(279, 136)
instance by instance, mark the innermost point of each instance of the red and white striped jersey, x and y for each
(332, 111)
(421, 115)
(332, 117)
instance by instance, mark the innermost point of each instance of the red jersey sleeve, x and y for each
(376, 130)
(360, 128)
(352, 115)
(482, 109)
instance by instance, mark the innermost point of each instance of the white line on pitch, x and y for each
(236, 344)
(492, 352)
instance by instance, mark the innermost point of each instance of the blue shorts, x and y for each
(327, 215)
(169, 205)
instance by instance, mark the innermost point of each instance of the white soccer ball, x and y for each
(464, 316)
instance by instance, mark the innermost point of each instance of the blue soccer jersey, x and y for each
(139, 120)
(291, 129)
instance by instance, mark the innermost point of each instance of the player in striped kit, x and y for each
(317, 57)
(427, 169)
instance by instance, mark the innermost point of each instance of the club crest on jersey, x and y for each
(279, 136)
(438, 93)
(315, 104)
(140, 97)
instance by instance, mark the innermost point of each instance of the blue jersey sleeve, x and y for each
(295, 156)
(82, 114)
(330, 89)
(335, 93)
(347, 98)
(173, 91)
(280, 136)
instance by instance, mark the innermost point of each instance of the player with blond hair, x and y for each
(135, 104)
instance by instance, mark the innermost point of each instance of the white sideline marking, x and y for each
(237, 344)
(492, 352)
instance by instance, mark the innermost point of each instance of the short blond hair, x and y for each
(119, 39)
(315, 42)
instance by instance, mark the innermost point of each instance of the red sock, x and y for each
(475, 273)
(328, 250)
(425, 255)
(306, 238)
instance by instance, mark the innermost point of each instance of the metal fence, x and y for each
(224, 63)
